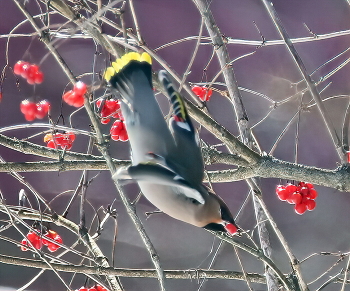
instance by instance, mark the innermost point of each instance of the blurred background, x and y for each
(265, 77)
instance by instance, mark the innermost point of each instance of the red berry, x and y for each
(28, 107)
(105, 121)
(123, 135)
(29, 117)
(42, 108)
(296, 198)
(290, 200)
(105, 112)
(58, 138)
(68, 146)
(25, 69)
(58, 239)
(32, 70)
(197, 90)
(230, 228)
(305, 199)
(290, 188)
(37, 244)
(301, 184)
(309, 185)
(313, 194)
(51, 144)
(52, 247)
(116, 129)
(310, 205)
(53, 235)
(32, 236)
(73, 98)
(68, 96)
(47, 137)
(44, 241)
(79, 101)
(34, 239)
(207, 94)
(31, 74)
(112, 104)
(283, 194)
(71, 136)
(280, 188)
(45, 104)
(300, 208)
(109, 109)
(40, 112)
(80, 88)
(18, 67)
(30, 81)
(38, 77)
(24, 242)
(83, 289)
(117, 115)
(100, 288)
(202, 92)
(92, 289)
(304, 191)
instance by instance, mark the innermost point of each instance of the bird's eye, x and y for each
(194, 201)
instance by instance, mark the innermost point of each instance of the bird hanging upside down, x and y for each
(166, 160)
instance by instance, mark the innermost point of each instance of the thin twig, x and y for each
(310, 84)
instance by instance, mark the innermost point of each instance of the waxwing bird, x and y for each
(166, 159)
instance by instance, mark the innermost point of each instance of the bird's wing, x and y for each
(189, 155)
(161, 175)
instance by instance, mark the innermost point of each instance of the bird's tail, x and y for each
(120, 74)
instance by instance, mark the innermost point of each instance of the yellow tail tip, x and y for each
(109, 73)
(120, 63)
(145, 57)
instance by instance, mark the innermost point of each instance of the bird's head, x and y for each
(225, 223)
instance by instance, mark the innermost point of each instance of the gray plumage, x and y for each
(166, 159)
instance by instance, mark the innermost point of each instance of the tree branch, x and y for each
(134, 273)
(309, 82)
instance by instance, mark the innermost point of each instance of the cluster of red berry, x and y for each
(303, 196)
(96, 288)
(75, 97)
(38, 241)
(110, 108)
(118, 131)
(29, 71)
(203, 93)
(33, 110)
(64, 140)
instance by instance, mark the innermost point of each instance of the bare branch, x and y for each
(310, 83)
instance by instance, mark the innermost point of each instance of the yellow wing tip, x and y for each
(120, 63)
